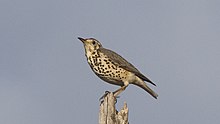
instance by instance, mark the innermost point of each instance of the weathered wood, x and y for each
(108, 113)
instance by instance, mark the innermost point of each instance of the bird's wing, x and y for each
(120, 61)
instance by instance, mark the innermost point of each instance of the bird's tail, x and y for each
(144, 86)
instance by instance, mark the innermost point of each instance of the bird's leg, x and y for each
(118, 91)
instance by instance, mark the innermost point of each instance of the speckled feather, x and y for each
(121, 62)
(113, 68)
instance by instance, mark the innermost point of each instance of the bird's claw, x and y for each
(104, 95)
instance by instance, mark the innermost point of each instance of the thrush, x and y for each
(113, 68)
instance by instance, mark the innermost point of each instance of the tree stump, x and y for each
(108, 113)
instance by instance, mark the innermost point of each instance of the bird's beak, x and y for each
(83, 40)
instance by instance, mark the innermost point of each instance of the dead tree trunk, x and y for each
(108, 113)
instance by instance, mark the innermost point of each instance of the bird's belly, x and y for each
(111, 76)
(108, 71)
(111, 80)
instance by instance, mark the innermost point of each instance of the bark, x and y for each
(108, 113)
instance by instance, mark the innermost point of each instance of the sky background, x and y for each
(45, 78)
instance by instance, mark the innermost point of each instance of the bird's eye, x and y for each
(93, 42)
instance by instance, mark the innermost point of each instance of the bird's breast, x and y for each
(106, 69)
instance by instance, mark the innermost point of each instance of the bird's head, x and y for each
(90, 44)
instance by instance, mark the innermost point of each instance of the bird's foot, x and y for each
(104, 95)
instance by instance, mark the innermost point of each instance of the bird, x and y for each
(113, 68)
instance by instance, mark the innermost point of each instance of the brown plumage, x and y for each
(113, 68)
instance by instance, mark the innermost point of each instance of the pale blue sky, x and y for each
(45, 79)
